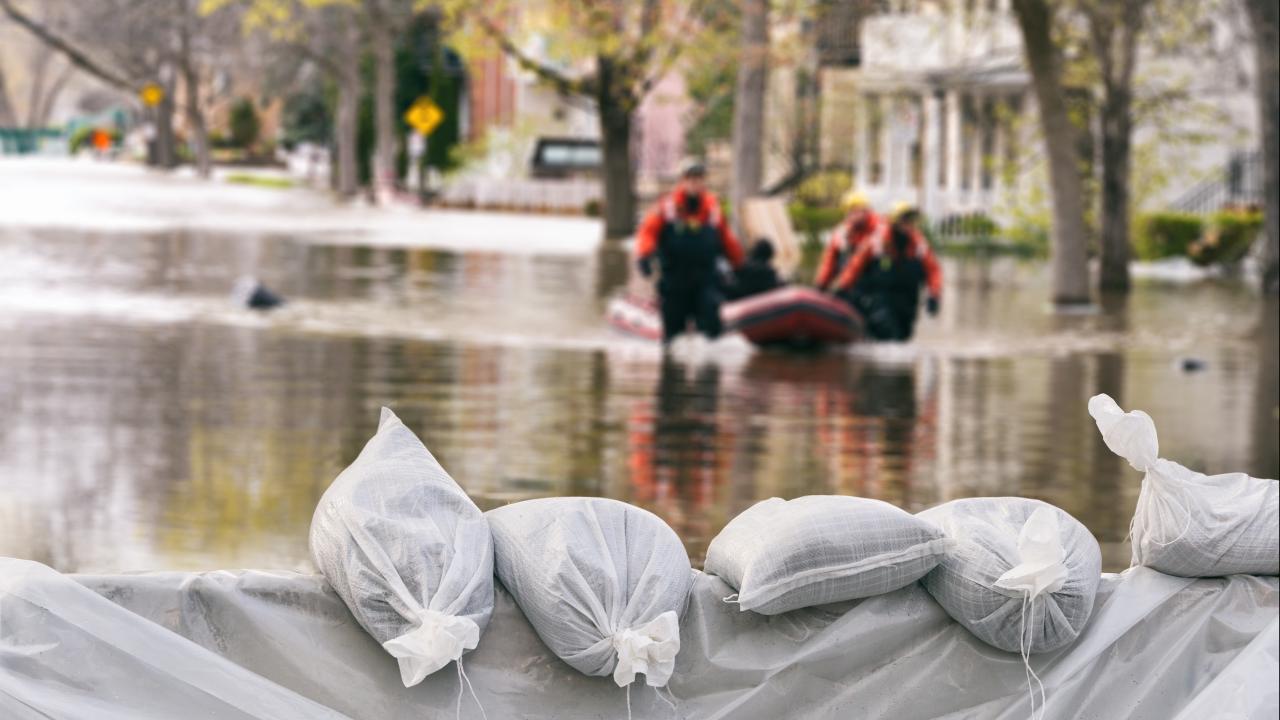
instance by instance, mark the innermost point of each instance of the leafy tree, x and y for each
(610, 52)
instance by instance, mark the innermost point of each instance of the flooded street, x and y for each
(151, 424)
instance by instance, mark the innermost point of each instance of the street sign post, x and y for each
(423, 116)
(151, 94)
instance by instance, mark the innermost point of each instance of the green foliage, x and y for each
(976, 224)
(591, 208)
(243, 124)
(1230, 235)
(80, 139)
(424, 67)
(711, 77)
(306, 117)
(1027, 237)
(812, 221)
(265, 181)
(1165, 234)
(824, 190)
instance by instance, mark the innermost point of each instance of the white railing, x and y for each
(522, 194)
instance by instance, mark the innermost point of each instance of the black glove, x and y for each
(645, 264)
(931, 305)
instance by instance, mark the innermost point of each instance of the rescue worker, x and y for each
(687, 236)
(757, 275)
(859, 224)
(884, 278)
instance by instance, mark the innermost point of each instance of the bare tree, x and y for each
(748, 108)
(1044, 58)
(1264, 16)
(1114, 28)
(385, 19)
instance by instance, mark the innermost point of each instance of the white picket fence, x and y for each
(522, 194)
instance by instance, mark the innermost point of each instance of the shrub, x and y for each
(80, 139)
(824, 189)
(1230, 235)
(242, 121)
(591, 208)
(812, 221)
(1165, 234)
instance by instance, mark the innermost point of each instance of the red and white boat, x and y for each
(796, 317)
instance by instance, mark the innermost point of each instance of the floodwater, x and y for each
(151, 424)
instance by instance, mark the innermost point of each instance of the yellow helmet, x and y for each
(900, 208)
(853, 199)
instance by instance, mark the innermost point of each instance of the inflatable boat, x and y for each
(795, 317)
(798, 317)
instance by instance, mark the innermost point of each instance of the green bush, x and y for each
(242, 122)
(813, 221)
(1165, 234)
(80, 139)
(592, 208)
(266, 181)
(824, 189)
(1230, 235)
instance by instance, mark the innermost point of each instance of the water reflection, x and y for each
(150, 425)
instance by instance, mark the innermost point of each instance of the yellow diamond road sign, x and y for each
(424, 115)
(151, 94)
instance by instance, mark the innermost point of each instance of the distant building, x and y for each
(944, 114)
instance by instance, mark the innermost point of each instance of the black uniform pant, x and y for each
(888, 315)
(683, 301)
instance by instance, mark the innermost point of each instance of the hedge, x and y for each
(1230, 235)
(1165, 234)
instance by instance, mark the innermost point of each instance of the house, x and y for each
(944, 112)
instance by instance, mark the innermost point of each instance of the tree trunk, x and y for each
(748, 108)
(199, 133)
(345, 126)
(615, 106)
(1070, 263)
(163, 151)
(1264, 16)
(384, 158)
(1114, 218)
(6, 107)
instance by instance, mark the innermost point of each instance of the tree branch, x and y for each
(77, 58)
(546, 73)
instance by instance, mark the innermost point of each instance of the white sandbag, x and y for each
(1021, 575)
(407, 551)
(1188, 523)
(603, 583)
(781, 555)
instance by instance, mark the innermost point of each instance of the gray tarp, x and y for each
(281, 645)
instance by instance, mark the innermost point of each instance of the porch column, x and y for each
(931, 146)
(862, 142)
(954, 150)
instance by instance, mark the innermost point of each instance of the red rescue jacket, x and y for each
(879, 246)
(670, 208)
(842, 245)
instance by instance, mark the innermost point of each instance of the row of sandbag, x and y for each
(604, 583)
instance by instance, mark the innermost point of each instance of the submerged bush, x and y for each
(1165, 234)
(1230, 235)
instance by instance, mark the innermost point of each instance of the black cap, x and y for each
(693, 168)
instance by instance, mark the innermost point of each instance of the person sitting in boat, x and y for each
(757, 275)
(687, 236)
(859, 225)
(884, 278)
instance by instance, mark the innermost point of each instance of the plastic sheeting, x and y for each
(281, 645)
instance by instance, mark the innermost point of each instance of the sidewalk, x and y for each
(118, 197)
